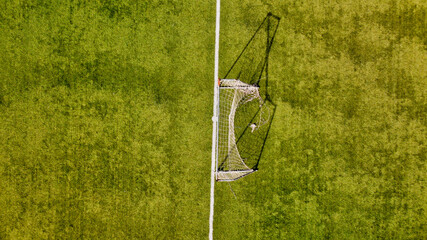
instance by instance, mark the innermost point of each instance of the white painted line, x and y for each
(215, 123)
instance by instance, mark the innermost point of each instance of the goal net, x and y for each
(243, 120)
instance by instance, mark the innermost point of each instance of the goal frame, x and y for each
(229, 175)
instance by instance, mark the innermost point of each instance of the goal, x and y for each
(243, 121)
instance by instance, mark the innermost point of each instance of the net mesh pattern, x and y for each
(242, 119)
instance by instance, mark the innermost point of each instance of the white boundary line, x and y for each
(215, 122)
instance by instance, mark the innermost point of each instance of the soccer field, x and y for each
(106, 107)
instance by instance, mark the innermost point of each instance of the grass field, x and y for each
(105, 112)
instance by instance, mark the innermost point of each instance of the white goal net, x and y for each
(241, 116)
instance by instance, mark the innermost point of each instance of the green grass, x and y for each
(105, 112)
